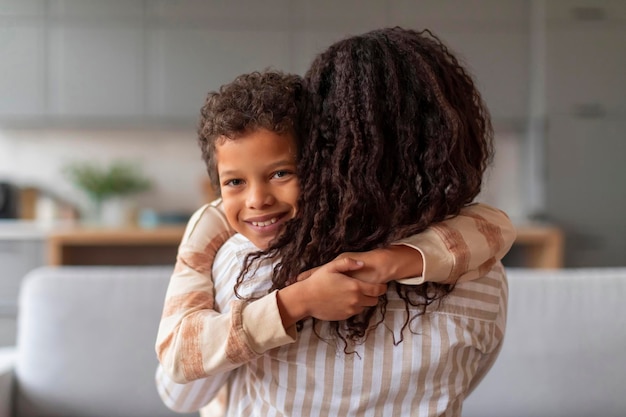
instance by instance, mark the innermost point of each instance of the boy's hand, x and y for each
(386, 264)
(327, 293)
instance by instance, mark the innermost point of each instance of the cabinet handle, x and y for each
(588, 14)
(589, 111)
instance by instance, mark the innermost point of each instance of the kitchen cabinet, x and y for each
(114, 246)
(152, 62)
(586, 110)
(185, 63)
(96, 71)
(585, 191)
(580, 54)
(18, 256)
(22, 67)
(95, 59)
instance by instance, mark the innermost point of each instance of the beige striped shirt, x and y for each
(429, 373)
(463, 247)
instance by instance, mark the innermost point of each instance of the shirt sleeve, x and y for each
(208, 393)
(463, 247)
(194, 340)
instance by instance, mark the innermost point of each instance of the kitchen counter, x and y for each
(112, 246)
(22, 230)
(538, 245)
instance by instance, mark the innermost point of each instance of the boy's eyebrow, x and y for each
(273, 165)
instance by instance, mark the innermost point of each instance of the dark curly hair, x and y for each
(268, 100)
(396, 138)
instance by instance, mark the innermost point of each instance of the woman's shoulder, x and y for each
(482, 298)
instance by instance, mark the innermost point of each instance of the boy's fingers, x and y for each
(369, 301)
(346, 264)
(372, 290)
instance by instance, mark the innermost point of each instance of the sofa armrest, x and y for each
(7, 366)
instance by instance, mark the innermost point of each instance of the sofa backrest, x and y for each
(564, 352)
(86, 342)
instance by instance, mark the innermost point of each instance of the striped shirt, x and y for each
(270, 372)
(460, 248)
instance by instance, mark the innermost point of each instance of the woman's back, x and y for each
(429, 373)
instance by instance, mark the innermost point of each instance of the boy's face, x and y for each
(257, 174)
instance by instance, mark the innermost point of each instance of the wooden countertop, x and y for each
(110, 246)
(542, 245)
(122, 236)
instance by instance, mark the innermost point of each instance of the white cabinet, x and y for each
(17, 258)
(22, 61)
(96, 71)
(133, 60)
(585, 187)
(185, 63)
(586, 137)
(96, 60)
(586, 53)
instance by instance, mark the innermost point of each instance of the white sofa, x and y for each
(85, 344)
(86, 337)
(565, 347)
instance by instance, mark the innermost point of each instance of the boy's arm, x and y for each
(460, 248)
(191, 396)
(193, 339)
(463, 247)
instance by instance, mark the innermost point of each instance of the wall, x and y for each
(170, 158)
(165, 55)
(566, 81)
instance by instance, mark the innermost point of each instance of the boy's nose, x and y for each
(259, 196)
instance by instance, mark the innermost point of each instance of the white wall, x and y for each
(170, 158)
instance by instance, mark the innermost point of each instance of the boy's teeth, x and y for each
(265, 223)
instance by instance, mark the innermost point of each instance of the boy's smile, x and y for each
(257, 174)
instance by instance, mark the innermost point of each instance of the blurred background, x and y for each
(101, 81)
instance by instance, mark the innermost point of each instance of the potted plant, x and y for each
(108, 188)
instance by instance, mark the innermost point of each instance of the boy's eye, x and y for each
(282, 174)
(233, 183)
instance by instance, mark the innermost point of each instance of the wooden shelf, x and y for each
(542, 246)
(102, 246)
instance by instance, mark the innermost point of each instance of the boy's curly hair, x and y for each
(397, 138)
(258, 100)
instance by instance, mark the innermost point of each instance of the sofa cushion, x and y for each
(86, 342)
(563, 353)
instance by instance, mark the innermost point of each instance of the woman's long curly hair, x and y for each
(396, 137)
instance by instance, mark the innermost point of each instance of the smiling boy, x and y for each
(258, 183)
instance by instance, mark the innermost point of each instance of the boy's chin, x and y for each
(261, 243)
